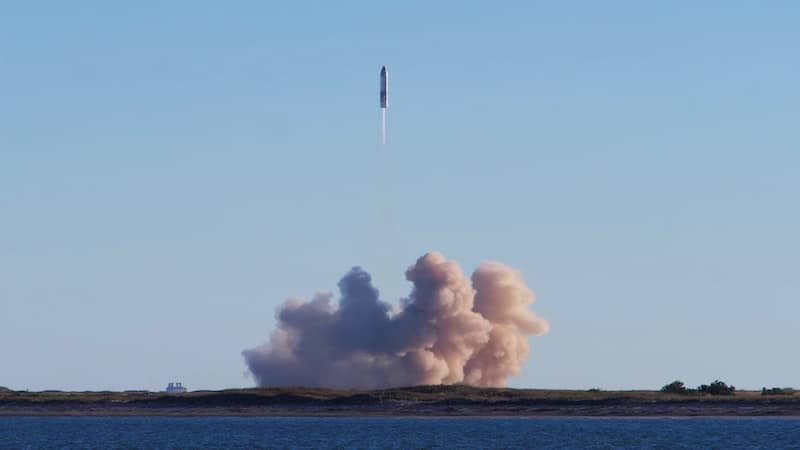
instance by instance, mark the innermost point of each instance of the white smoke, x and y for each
(383, 126)
(451, 329)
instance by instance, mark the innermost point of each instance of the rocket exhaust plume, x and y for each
(383, 126)
(383, 99)
(450, 329)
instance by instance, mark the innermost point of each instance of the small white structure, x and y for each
(175, 388)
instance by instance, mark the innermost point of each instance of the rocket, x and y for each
(384, 88)
(383, 100)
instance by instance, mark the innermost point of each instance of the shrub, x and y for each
(676, 387)
(777, 391)
(717, 388)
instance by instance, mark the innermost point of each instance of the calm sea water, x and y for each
(247, 433)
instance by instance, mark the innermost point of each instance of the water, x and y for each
(270, 432)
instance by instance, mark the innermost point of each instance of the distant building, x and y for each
(175, 388)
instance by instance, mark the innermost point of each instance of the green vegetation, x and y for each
(676, 387)
(777, 391)
(716, 388)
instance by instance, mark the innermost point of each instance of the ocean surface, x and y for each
(484, 433)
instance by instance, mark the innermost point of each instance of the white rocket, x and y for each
(383, 97)
(384, 88)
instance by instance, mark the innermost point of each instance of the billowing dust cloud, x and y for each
(451, 329)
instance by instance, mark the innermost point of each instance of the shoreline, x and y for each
(413, 402)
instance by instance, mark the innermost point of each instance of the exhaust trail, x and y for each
(383, 126)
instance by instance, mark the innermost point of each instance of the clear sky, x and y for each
(170, 172)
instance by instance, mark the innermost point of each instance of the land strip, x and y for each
(416, 401)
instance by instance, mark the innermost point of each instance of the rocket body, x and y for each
(383, 89)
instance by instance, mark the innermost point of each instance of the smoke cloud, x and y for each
(451, 329)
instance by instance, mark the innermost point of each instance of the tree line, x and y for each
(718, 387)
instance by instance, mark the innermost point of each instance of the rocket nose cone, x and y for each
(383, 70)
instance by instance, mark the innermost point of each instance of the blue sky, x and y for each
(170, 172)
